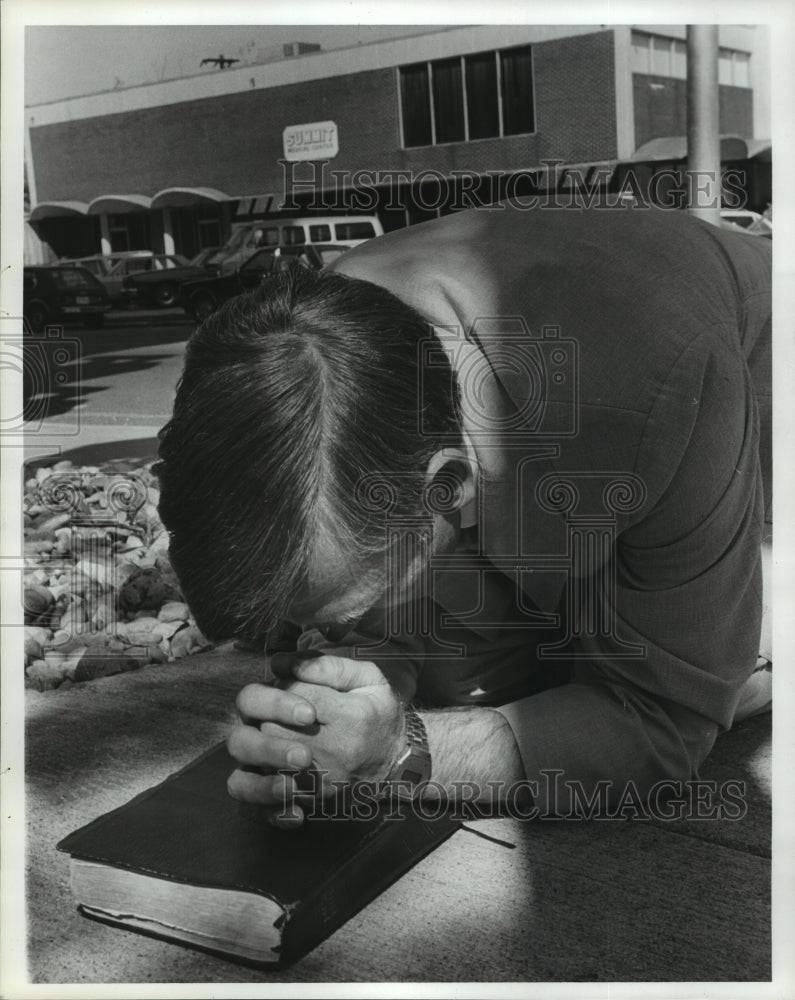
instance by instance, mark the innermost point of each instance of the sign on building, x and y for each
(312, 141)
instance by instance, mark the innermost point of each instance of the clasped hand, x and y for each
(336, 717)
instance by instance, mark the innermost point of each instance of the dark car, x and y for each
(204, 257)
(158, 282)
(56, 294)
(201, 298)
(111, 269)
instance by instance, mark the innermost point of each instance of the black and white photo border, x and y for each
(17, 15)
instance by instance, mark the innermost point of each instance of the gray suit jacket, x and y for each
(615, 371)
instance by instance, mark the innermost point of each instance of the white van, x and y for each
(344, 230)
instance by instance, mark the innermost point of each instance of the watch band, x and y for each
(416, 731)
(413, 765)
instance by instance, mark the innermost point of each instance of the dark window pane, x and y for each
(319, 233)
(516, 66)
(415, 101)
(293, 235)
(448, 100)
(482, 105)
(354, 230)
(261, 236)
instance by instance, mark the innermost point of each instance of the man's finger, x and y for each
(267, 748)
(261, 789)
(259, 702)
(282, 663)
(338, 673)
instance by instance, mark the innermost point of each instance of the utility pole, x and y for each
(703, 123)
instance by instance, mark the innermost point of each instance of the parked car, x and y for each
(203, 257)
(111, 270)
(201, 298)
(158, 284)
(748, 221)
(56, 294)
(320, 230)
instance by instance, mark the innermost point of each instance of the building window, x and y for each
(208, 225)
(128, 232)
(415, 101)
(679, 60)
(660, 56)
(480, 96)
(655, 55)
(734, 68)
(641, 53)
(483, 105)
(516, 66)
(448, 100)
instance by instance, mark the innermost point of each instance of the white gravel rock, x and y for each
(174, 611)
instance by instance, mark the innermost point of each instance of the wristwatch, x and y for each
(413, 764)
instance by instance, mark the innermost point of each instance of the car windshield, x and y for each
(74, 277)
(204, 255)
(237, 239)
(262, 261)
(328, 254)
(96, 267)
(163, 263)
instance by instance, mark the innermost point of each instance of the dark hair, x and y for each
(291, 394)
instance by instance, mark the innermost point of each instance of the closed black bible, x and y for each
(184, 861)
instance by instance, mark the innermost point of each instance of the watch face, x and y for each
(415, 766)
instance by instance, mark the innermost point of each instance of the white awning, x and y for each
(119, 204)
(53, 209)
(674, 147)
(181, 197)
(597, 172)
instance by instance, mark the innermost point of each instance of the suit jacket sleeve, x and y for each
(687, 590)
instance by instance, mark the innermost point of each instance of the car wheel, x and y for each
(166, 295)
(94, 321)
(36, 316)
(202, 305)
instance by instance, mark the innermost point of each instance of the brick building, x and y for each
(414, 127)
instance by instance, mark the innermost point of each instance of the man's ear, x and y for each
(456, 466)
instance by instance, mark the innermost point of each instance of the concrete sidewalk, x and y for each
(660, 901)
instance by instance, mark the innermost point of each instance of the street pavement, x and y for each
(104, 394)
